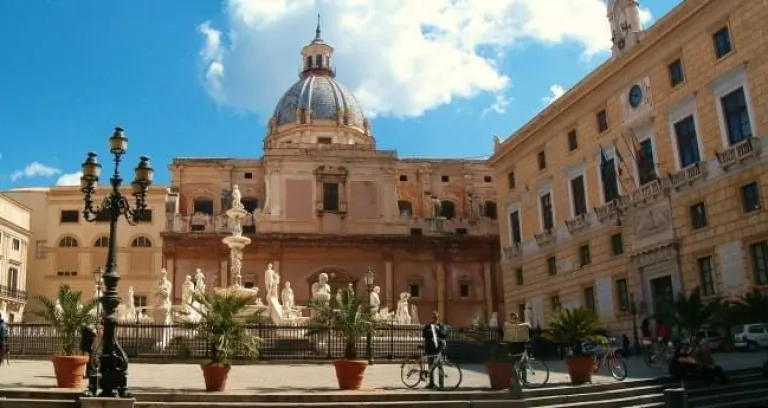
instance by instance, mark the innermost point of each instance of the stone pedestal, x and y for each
(675, 398)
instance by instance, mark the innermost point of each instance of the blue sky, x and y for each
(200, 78)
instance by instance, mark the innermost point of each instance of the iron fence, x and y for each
(12, 292)
(160, 342)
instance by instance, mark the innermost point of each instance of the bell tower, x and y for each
(626, 30)
(317, 56)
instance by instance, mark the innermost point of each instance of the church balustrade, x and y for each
(204, 223)
(737, 153)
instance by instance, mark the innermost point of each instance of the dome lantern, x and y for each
(317, 56)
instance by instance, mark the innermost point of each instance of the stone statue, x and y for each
(271, 282)
(351, 288)
(402, 314)
(237, 198)
(164, 290)
(287, 295)
(199, 280)
(236, 259)
(57, 308)
(415, 315)
(187, 289)
(437, 207)
(374, 300)
(131, 299)
(321, 290)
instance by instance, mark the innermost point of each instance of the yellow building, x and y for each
(649, 177)
(68, 250)
(14, 243)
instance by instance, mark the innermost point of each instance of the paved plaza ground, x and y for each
(302, 378)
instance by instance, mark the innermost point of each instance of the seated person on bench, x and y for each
(710, 370)
(683, 366)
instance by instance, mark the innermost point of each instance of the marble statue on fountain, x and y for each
(163, 304)
(403, 311)
(272, 282)
(287, 297)
(374, 300)
(321, 290)
(199, 281)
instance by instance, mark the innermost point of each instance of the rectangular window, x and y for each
(585, 257)
(16, 244)
(617, 244)
(554, 302)
(622, 291)
(646, 164)
(519, 277)
(464, 290)
(13, 279)
(602, 121)
(511, 180)
(445, 179)
(698, 216)
(573, 140)
(759, 255)
(750, 195)
(248, 176)
(547, 216)
(146, 215)
(722, 39)
(514, 225)
(552, 266)
(542, 160)
(687, 142)
(403, 177)
(610, 180)
(203, 207)
(676, 74)
(705, 276)
(324, 140)
(736, 115)
(589, 298)
(68, 216)
(579, 196)
(414, 290)
(487, 179)
(140, 301)
(330, 196)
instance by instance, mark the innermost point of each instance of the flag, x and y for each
(603, 158)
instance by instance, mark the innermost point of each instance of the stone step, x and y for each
(721, 395)
(758, 402)
(38, 403)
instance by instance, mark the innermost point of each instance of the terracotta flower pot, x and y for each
(215, 376)
(350, 373)
(580, 368)
(69, 370)
(500, 374)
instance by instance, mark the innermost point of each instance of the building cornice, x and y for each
(602, 74)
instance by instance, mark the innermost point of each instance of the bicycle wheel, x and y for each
(410, 372)
(653, 358)
(448, 376)
(617, 367)
(533, 373)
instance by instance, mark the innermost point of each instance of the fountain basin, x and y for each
(245, 293)
(237, 213)
(236, 242)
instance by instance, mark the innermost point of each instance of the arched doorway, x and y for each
(338, 278)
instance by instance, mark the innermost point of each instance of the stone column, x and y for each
(489, 304)
(170, 267)
(223, 273)
(441, 289)
(389, 282)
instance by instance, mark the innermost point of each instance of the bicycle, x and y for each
(657, 354)
(616, 364)
(417, 368)
(527, 367)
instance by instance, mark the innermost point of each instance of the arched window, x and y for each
(448, 209)
(489, 210)
(101, 242)
(318, 61)
(203, 206)
(141, 242)
(250, 204)
(68, 242)
(405, 207)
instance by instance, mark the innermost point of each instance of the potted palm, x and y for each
(349, 319)
(225, 331)
(572, 327)
(497, 362)
(67, 315)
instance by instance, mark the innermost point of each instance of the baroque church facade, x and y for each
(323, 198)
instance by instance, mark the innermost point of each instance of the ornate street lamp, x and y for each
(369, 279)
(98, 275)
(113, 362)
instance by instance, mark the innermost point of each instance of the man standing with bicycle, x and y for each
(434, 334)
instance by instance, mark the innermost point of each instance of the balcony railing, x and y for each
(612, 209)
(736, 153)
(12, 293)
(513, 251)
(687, 175)
(577, 223)
(650, 191)
(204, 223)
(545, 237)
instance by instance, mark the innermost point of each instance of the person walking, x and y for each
(434, 334)
(4, 334)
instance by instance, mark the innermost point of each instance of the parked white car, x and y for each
(750, 336)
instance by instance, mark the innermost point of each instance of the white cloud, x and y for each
(69, 179)
(34, 169)
(399, 57)
(556, 90)
(499, 105)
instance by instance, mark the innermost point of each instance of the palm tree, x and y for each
(689, 313)
(67, 315)
(725, 315)
(572, 327)
(347, 317)
(221, 327)
(753, 307)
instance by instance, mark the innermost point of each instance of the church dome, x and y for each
(323, 98)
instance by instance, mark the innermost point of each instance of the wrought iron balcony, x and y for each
(577, 223)
(687, 175)
(12, 293)
(737, 153)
